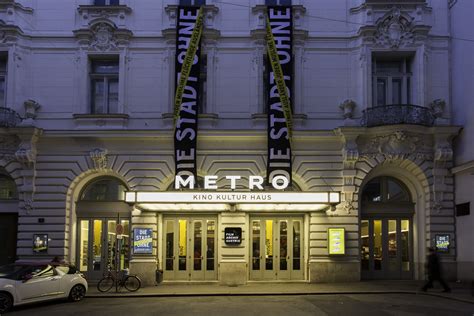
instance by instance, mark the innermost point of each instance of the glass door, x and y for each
(190, 248)
(386, 248)
(276, 246)
(100, 249)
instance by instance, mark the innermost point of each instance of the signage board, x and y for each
(442, 243)
(40, 243)
(233, 236)
(232, 197)
(336, 241)
(143, 241)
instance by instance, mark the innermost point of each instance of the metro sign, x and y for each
(278, 182)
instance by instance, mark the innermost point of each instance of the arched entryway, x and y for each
(8, 218)
(386, 230)
(99, 210)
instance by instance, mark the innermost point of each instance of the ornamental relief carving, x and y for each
(103, 38)
(398, 145)
(394, 30)
(99, 158)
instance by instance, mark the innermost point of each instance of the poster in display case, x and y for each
(336, 241)
(40, 243)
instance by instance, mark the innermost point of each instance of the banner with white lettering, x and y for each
(186, 103)
(280, 85)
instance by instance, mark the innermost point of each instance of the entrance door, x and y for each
(276, 249)
(190, 248)
(385, 248)
(100, 248)
(8, 233)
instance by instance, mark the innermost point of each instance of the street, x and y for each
(350, 304)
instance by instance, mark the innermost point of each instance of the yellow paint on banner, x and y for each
(187, 64)
(279, 78)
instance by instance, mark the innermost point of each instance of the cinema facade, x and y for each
(361, 161)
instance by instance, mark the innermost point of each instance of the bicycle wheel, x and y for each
(132, 283)
(105, 284)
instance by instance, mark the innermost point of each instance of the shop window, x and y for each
(7, 188)
(104, 77)
(391, 80)
(385, 189)
(106, 2)
(105, 189)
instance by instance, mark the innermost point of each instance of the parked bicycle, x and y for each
(131, 282)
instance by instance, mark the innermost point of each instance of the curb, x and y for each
(146, 295)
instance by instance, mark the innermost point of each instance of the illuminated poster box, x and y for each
(442, 243)
(336, 241)
(143, 241)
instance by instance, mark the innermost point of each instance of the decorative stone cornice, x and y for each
(209, 31)
(8, 5)
(103, 36)
(398, 145)
(393, 24)
(9, 33)
(260, 11)
(117, 14)
(99, 158)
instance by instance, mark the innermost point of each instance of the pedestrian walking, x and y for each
(433, 266)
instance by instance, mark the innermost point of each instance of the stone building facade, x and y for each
(88, 99)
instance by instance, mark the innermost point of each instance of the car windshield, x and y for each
(10, 271)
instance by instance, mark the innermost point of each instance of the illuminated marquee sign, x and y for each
(233, 197)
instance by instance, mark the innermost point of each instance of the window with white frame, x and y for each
(104, 83)
(391, 80)
(3, 80)
(106, 2)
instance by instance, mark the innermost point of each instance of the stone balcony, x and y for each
(397, 114)
(9, 118)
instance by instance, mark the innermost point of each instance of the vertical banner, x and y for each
(280, 85)
(186, 103)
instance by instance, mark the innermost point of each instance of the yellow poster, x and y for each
(336, 241)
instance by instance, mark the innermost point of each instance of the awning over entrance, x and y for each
(242, 201)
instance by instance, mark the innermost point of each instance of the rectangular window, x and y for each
(104, 86)
(106, 2)
(3, 80)
(278, 2)
(391, 80)
(192, 2)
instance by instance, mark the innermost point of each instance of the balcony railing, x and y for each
(397, 114)
(9, 118)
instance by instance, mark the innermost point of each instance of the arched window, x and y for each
(385, 189)
(104, 189)
(7, 188)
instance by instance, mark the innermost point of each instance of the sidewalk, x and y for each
(460, 292)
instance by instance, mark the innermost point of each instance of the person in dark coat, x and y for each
(433, 266)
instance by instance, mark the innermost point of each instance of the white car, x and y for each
(29, 282)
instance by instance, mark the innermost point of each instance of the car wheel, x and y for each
(77, 293)
(6, 302)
